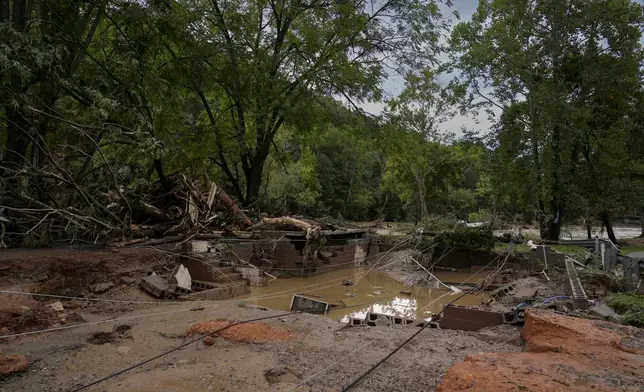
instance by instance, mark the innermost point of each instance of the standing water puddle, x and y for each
(376, 292)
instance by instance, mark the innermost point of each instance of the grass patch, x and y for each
(578, 251)
(628, 249)
(630, 306)
(501, 247)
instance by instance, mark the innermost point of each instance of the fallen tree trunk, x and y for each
(314, 238)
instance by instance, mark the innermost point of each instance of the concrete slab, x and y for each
(604, 311)
(155, 285)
(469, 319)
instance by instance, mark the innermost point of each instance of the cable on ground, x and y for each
(261, 297)
(11, 292)
(383, 360)
(139, 364)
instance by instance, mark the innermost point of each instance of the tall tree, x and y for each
(262, 62)
(517, 56)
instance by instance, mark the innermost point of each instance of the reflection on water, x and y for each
(373, 291)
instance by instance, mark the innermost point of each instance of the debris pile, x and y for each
(20, 314)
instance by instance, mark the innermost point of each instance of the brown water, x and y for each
(373, 291)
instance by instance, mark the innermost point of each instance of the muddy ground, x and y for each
(302, 345)
(276, 354)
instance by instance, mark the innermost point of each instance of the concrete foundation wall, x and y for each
(469, 319)
(254, 276)
(203, 269)
(222, 293)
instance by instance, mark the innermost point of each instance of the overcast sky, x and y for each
(394, 84)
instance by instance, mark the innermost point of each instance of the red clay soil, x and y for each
(246, 333)
(12, 363)
(20, 313)
(564, 354)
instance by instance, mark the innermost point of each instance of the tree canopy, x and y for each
(104, 104)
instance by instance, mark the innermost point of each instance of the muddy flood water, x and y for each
(372, 291)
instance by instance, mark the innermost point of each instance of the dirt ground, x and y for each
(237, 360)
(563, 354)
(281, 353)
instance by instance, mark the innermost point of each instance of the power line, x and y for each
(139, 364)
(261, 297)
(11, 292)
(383, 360)
(336, 362)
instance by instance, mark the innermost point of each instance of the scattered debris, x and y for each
(56, 306)
(605, 312)
(281, 374)
(127, 280)
(100, 288)
(309, 305)
(155, 285)
(181, 277)
(122, 331)
(101, 337)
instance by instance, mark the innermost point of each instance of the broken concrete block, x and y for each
(604, 311)
(197, 246)
(155, 285)
(127, 280)
(100, 288)
(56, 306)
(182, 278)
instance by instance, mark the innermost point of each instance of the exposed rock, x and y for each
(127, 280)
(100, 288)
(56, 306)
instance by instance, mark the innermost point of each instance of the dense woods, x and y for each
(104, 104)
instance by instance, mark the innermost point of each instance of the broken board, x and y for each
(309, 305)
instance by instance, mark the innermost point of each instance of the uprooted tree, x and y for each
(99, 96)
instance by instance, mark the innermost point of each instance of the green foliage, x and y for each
(626, 250)
(471, 238)
(630, 306)
(566, 101)
(593, 277)
(577, 251)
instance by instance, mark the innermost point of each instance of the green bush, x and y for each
(630, 306)
(480, 238)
